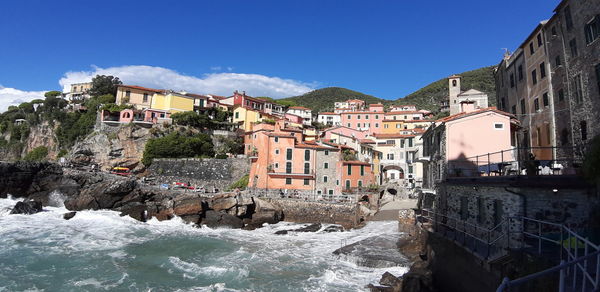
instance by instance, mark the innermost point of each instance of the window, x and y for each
(597, 69)
(568, 18)
(276, 151)
(306, 155)
(512, 80)
(464, 208)
(539, 40)
(288, 154)
(453, 83)
(561, 95)
(288, 181)
(557, 61)
(376, 125)
(326, 152)
(410, 142)
(349, 125)
(398, 126)
(349, 169)
(410, 169)
(306, 182)
(337, 182)
(366, 117)
(498, 212)
(520, 72)
(499, 126)
(306, 168)
(536, 104)
(276, 139)
(360, 183)
(377, 117)
(573, 47)
(325, 178)
(330, 192)
(390, 156)
(531, 51)
(145, 97)
(534, 77)
(362, 170)
(237, 115)
(545, 99)
(592, 30)
(127, 93)
(553, 31)
(288, 167)
(385, 126)
(523, 106)
(349, 117)
(276, 165)
(577, 90)
(583, 125)
(347, 184)
(542, 71)
(514, 110)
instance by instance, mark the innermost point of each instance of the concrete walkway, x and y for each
(389, 211)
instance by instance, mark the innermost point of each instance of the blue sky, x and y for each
(384, 48)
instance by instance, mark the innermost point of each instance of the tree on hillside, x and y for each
(191, 119)
(52, 93)
(176, 145)
(104, 84)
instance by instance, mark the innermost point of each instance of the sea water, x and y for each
(101, 251)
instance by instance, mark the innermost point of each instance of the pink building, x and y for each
(372, 122)
(146, 116)
(349, 132)
(451, 142)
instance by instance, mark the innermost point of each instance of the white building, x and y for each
(303, 112)
(456, 96)
(329, 118)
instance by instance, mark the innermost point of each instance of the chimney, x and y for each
(244, 93)
(467, 106)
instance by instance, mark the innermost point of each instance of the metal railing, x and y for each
(580, 272)
(579, 266)
(519, 161)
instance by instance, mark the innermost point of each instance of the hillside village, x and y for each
(493, 181)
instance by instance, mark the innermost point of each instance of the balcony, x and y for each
(310, 175)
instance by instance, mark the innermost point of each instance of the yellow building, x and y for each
(139, 97)
(392, 126)
(173, 102)
(246, 117)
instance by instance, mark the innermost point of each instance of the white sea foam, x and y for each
(253, 259)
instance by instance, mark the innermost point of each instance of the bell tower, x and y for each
(453, 92)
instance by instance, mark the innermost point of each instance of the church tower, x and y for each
(453, 92)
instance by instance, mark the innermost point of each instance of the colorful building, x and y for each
(172, 102)
(303, 112)
(371, 122)
(137, 96)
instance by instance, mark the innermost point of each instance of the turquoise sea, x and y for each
(101, 251)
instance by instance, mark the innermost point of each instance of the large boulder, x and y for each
(223, 202)
(135, 210)
(215, 219)
(100, 192)
(27, 207)
(187, 206)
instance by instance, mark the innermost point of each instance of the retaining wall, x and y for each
(209, 173)
(314, 212)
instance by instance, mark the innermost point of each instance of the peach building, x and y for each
(357, 174)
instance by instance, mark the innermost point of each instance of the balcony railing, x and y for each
(519, 161)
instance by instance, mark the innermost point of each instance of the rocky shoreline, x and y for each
(83, 190)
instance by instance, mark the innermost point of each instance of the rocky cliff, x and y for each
(110, 146)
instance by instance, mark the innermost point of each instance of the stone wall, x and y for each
(490, 201)
(209, 173)
(313, 212)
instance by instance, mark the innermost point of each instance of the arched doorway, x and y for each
(393, 172)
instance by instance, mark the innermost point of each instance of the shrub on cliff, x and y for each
(241, 184)
(37, 154)
(191, 119)
(176, 145)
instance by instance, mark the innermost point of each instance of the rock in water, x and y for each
(69, 215)
(27, 207)
(374, 252)
(390, 280)
(334, 228)
(310, 228)
(214, 219)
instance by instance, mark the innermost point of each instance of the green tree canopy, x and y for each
(52, 93)
(104, 84)
(176, 145)
(191, 119)
(37, 154)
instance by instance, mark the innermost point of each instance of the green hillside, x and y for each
(323, 99)
(428, 97)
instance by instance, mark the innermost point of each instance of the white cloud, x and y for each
(213, 83)
(12, 96)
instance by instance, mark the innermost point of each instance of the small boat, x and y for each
(122, 171)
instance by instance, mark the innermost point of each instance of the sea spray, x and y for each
(98, 250)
